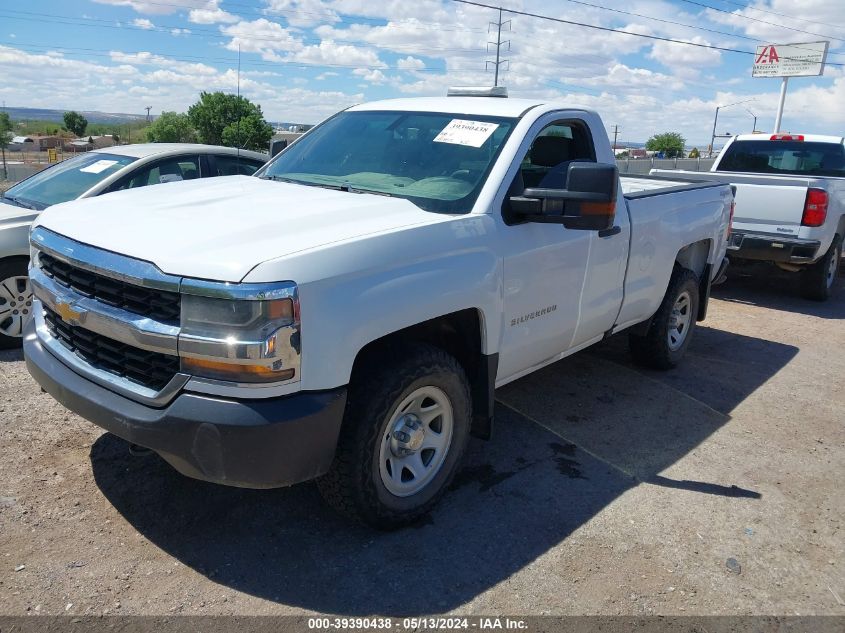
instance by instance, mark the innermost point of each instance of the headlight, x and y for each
(240, 340)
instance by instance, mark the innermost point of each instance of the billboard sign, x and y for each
(790, 60)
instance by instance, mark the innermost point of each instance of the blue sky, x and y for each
(302, 60)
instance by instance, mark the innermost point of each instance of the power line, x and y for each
(748, 17)
(193, 59)
(783, 15)
(673, 22)
(620, 31)
(74, 21)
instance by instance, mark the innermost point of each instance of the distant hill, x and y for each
(93, 116)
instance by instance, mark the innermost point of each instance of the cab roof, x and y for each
(479, 106)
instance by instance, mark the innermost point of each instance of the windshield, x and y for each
(437, 161)
(785, 157)
(67, 180)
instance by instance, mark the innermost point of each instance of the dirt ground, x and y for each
(716, 488)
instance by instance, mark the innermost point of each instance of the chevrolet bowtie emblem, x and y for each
(67, 312)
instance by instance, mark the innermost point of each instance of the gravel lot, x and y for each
(606, 489)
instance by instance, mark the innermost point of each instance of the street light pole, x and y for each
(753, 127)
(716, 118)
(713, 135)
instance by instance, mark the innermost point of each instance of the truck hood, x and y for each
(221, 228)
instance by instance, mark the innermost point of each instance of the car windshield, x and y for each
(437, 161)
(67, 180)
(785, 157)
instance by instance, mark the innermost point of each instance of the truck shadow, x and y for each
(767, 286)
(518, 496)
(10, 355)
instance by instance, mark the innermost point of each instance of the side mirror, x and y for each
(277, 146)
(588, 203)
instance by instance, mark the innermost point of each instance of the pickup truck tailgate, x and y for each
(781, 205)
(764, 204)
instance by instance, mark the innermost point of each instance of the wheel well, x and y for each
(460, 335)
(694, 256)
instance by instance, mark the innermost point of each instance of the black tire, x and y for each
(20, 311)
(354, 485)
(817, 282)
(653, 349)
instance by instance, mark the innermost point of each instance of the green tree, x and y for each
(75, 123)
(171, 127)
(253, 132)
(226, 119)
(695, 153)
(670, 143)
(5, 138)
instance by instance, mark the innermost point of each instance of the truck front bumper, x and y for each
(258, 443)
(772, 248)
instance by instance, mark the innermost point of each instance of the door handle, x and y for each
(616, 230)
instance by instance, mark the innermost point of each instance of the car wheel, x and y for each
(672, 326)
(15, 301)
(818, 280)
(404, 432)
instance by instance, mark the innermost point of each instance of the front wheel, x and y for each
(15, 302)
(404, 432)
(672, 326)
(817, 281)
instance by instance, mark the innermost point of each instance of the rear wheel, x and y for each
(818, 281)
(15, 302)
(672, 326)
(404, 432)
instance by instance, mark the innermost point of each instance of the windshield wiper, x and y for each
(19, 202)
(303, 182)
(370, 191)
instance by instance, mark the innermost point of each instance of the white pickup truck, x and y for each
(347, 314)
(790, 203)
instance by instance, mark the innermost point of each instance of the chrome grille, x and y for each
(160, 305)
(152, 370)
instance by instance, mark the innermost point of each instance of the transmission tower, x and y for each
(498, 44)
(148, 108)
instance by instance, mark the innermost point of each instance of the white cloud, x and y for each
(326, 75)
(371, 76)
(178, 32)
(329, 53)
(302, 13)
(261, 36)
(410, 63)
(143, 23)
(156, 7)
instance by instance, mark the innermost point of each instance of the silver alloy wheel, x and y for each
(679, 321)
(15, 305)
(833, 266)
(416, 441)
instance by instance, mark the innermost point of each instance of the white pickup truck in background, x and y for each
(348, 313)
(790, 203)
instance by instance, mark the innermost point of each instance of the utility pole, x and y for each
(148, 108)
(615, 135)
(498, 44)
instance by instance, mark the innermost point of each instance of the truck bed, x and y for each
(643, 186)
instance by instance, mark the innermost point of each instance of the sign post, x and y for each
(789, 60)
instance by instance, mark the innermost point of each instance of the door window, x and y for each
(168, 170)
(235, 165)
(556, 147)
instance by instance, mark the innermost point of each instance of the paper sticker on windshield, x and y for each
(461, 132)
(100, 165)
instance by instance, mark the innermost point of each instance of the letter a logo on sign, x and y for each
(769, 55)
